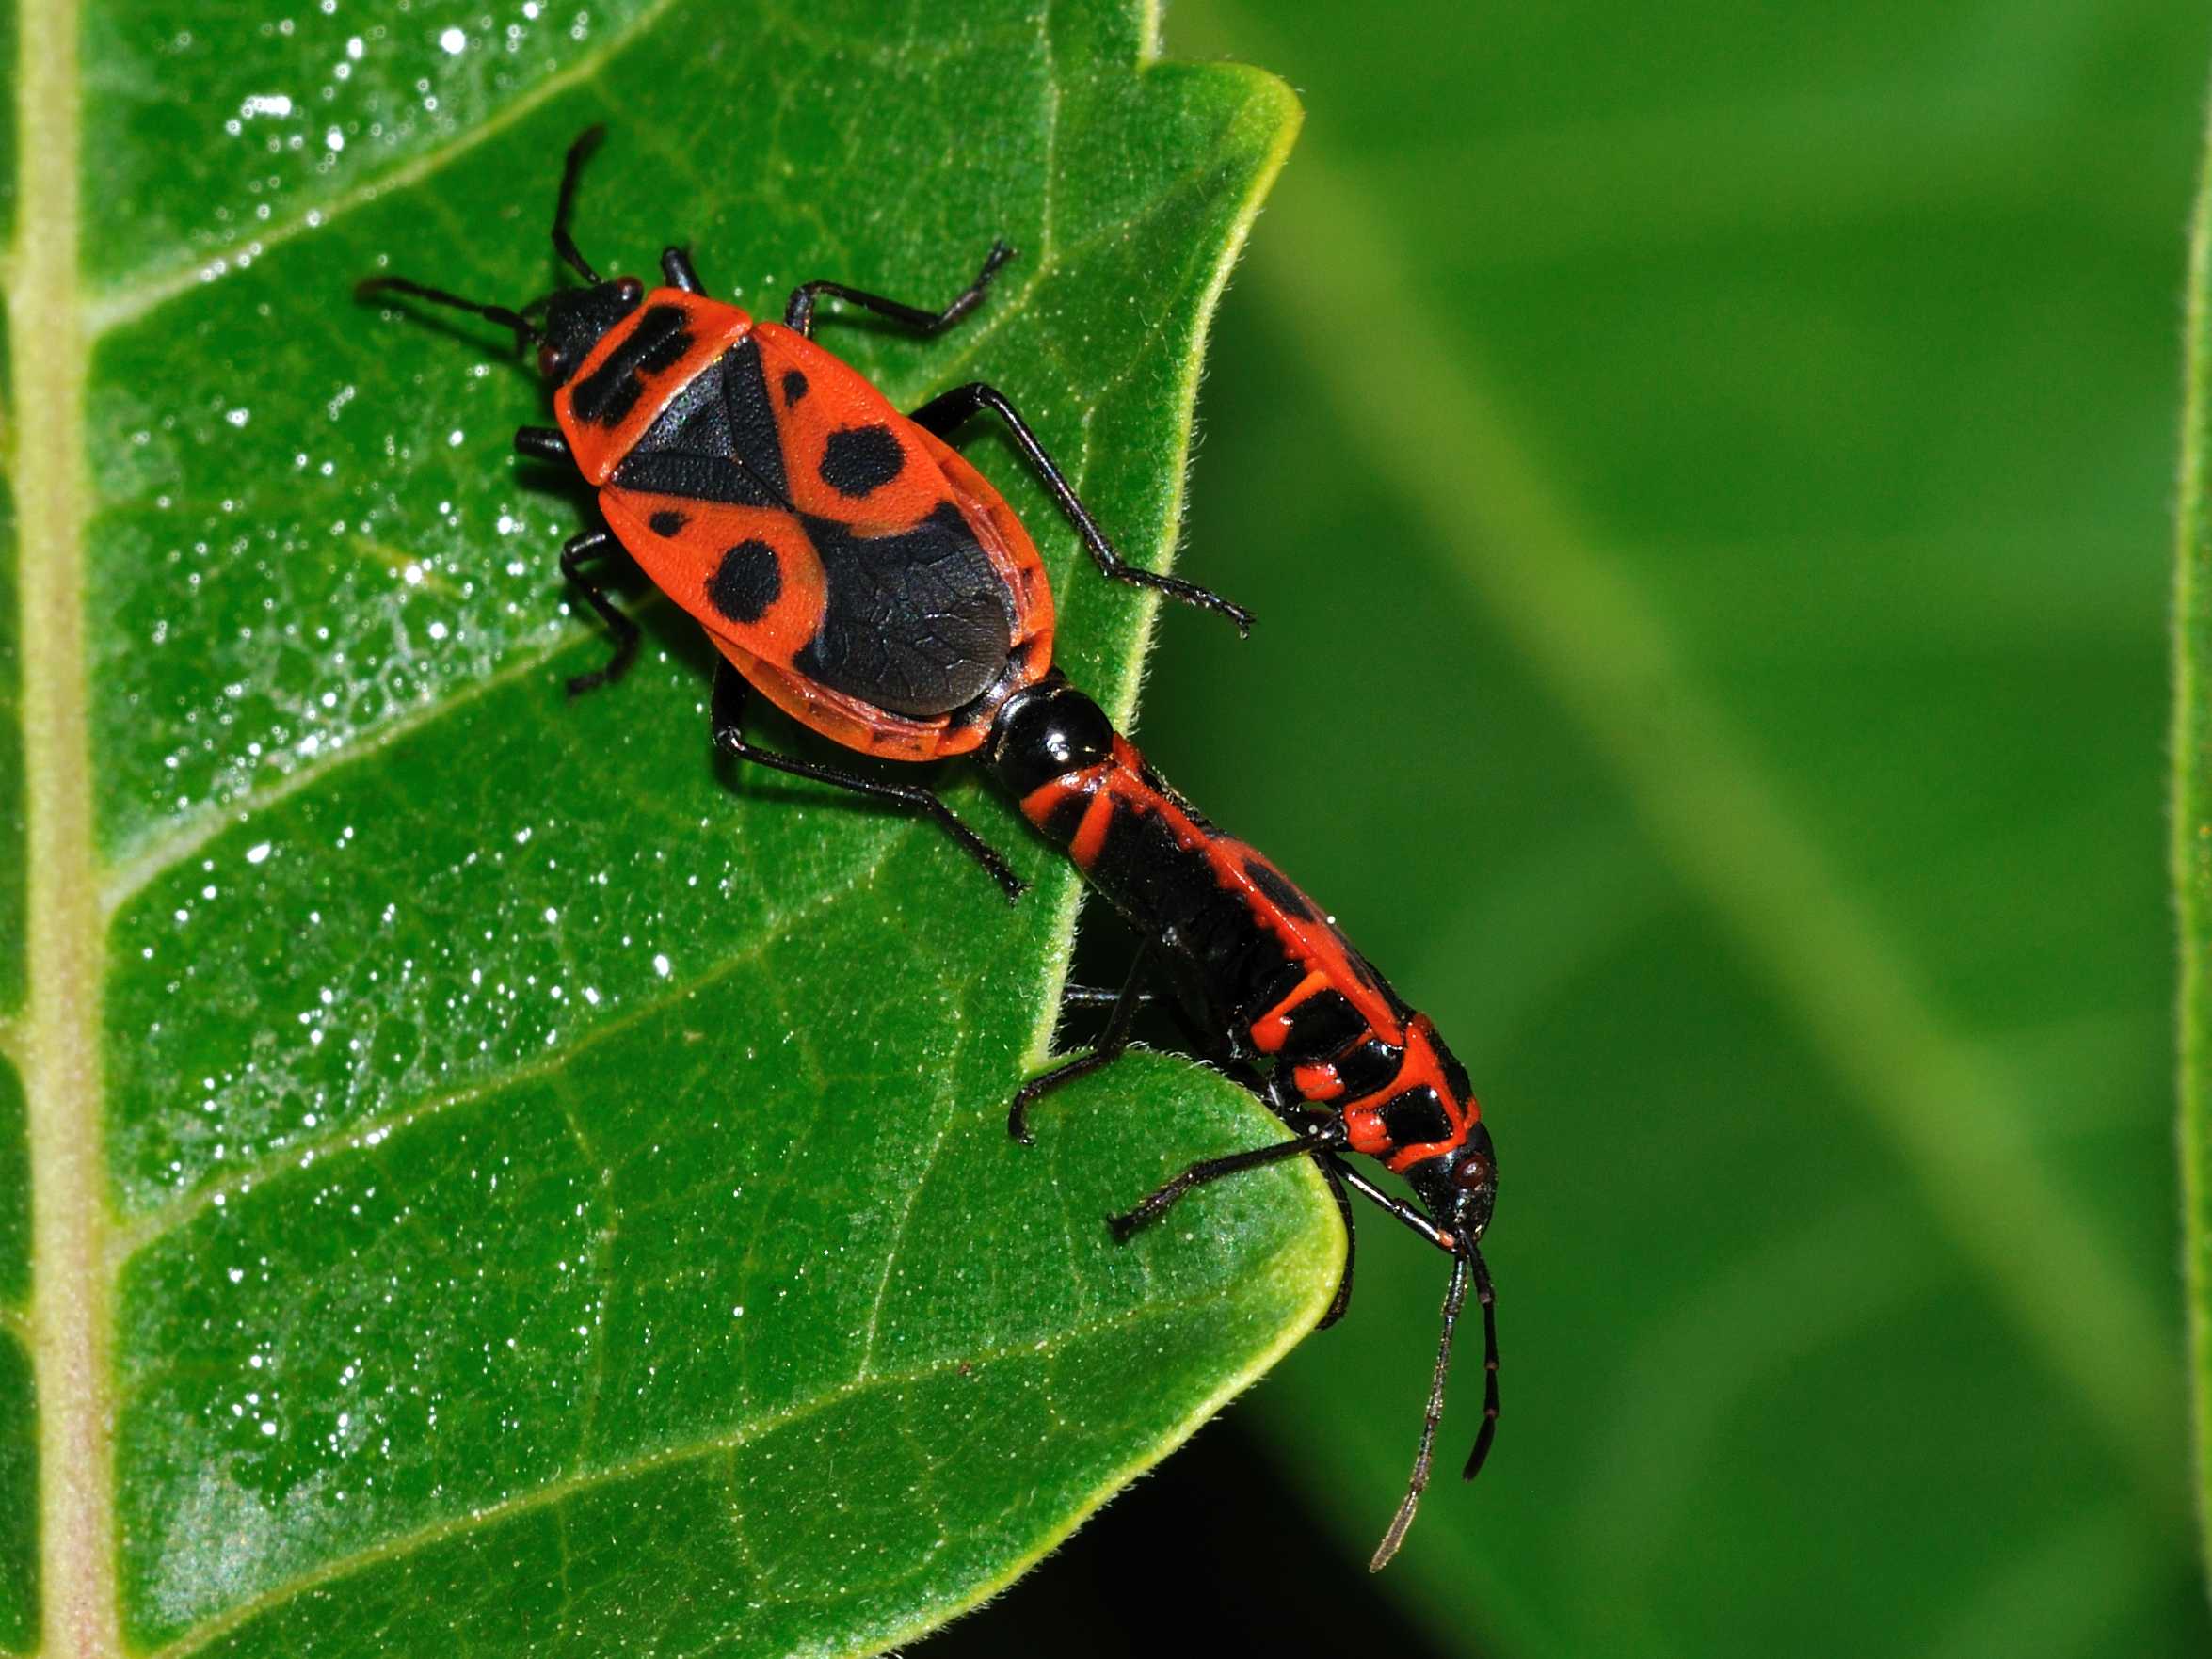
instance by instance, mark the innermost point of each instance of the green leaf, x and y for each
(1737, 536)
(499, 1178)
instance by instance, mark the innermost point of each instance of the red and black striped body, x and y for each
(846, 561)
(1251, 956)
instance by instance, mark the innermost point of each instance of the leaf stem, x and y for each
(71, 1293)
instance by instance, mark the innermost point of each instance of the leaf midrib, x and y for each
(53, 323)
(71, 1291)
(2186, 832)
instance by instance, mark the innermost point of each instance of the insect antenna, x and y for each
(1488, 1432)
(525, 330)
(564, 244)
(1455, 1295)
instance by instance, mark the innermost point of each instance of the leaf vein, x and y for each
(553, 1495)
(135, 870)
(135, 299)
(377, 1129)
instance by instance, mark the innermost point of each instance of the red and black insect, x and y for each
(849, 564)
(842, 555)
(1282, 998)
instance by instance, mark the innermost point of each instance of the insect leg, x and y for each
(945, 415)
(800, 314)
(1104, 1052)
(1280, 1096)
(676, 265)
(580, 549)
(1333, 1171)
(541, 443)
(1156, 1202)
(1097, 996)
(730, 692)
(1399, 1210)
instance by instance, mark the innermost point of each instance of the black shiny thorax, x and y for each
(577, 319)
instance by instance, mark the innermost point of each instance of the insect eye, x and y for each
(1474, 1172)
(550, 362)
(630, 290)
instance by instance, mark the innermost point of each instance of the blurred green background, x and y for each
(1704, 471)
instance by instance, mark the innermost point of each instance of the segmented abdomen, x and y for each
(1280, 975)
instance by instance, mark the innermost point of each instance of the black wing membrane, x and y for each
(715, 442)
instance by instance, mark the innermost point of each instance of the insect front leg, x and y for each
(676, 265)
(1281, 1096)
(1399, 1210)
(541, 443)
(1333, 1171)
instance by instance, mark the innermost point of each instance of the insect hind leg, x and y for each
(1157, 1203)
(1110, 1047)
(945, 414)
(730, 695)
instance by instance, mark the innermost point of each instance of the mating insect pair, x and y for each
(850, 566)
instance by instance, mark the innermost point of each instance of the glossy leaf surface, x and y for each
(511, 1184)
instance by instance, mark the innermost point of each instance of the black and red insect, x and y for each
(843, 556)
(854, 569)
(1281, 998)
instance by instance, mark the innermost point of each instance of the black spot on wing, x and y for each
(746, 581)
(654, 344)
(1265, 976)
(1148, 874)
(1279, 891)
(1241, 961)
(666, 522)
(859, 460)
(1066, 818)
(795, 387)
(917, 623)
